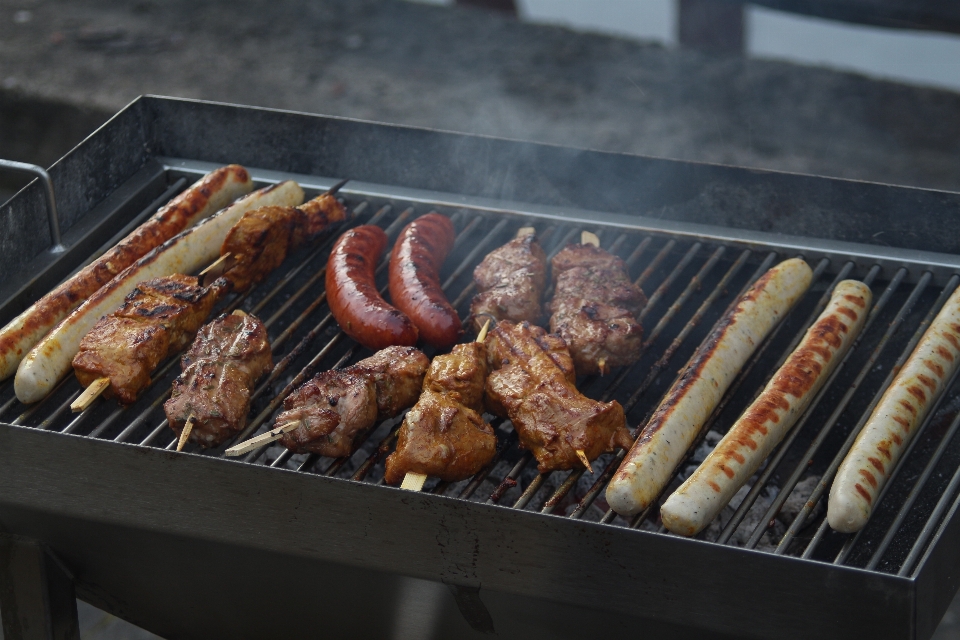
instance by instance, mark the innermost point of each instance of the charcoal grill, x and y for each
(279, 545)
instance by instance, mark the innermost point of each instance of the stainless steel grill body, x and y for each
(199, 546)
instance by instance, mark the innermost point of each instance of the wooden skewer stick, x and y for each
(583, 459)
(185, 433)
(602, 365)
(223, 264)
(414, 481)
(526, 231)
(589, 238)
(90, 394)
(260, 440)
(240, 312)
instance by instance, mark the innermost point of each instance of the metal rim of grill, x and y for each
(690, 281)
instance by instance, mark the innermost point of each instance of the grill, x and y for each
(526, 554)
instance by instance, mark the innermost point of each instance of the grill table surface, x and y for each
(230, 545)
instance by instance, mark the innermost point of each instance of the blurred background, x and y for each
(860, 89)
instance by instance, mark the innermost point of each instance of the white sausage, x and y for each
(765, 422)
(50, 360)
(651, 461)
(209, 194)
(893, 423)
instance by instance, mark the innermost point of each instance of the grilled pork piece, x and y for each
(261, 240)
(159, 317)
(336, 406)
(219, 371)
(444, 435)
(511, 281)
(594, 308)
(533, 385)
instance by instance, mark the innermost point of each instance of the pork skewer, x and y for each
(511, 280)
(595, 306)
(158, 318)
(532, 383)
(210, 399)
(444, 434)
(326, 414)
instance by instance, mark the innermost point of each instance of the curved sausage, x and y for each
(894, 421)
(211, 193)
(352, 293)
(651, 461)
(765, 422)
(415, 288)
(187, 252)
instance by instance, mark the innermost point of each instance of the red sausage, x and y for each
(352, 292)
(415, 278)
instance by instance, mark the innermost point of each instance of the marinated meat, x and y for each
(444, 434)
(533, 385)
(594, 309)
(157, 318)
(336, 406)
(511, 281)
(263, 238)
(219, 373)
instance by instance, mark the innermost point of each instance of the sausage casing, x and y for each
(658, 450)
(768, 419)
(415, 288)
(187, 252)
(211, 193)
(888, 430)
(352, 293)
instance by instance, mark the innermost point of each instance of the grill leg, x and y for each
(37, 599)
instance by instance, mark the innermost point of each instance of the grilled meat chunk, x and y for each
(336, 406)
(159, 317)
(511, 281)
(533, 385)
(219, 372)
(444, 434)
(263, 238)
(594, 308)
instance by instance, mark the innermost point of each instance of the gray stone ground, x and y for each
(65, 66)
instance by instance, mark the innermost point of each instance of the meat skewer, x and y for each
(327, 413)
(211, 397)
(595, 306)
(444, 434)
(511, 280)
(264, 237)
(532, 384)
(159, 317)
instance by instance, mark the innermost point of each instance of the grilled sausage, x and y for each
(213, 192)
(51, 359)
(893, 422)
(352, 293)
(651, 461)
(415, 288)
(764, 424)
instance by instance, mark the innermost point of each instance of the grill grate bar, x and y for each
(838, 458)
(934, 523)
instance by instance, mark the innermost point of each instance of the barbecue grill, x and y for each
(278, 545)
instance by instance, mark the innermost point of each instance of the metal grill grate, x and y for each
(690, 280)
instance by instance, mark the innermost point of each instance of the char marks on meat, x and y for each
(263, 238)
(219, 372)
(159, 317)
(336, 406)
(444, 434)
(532, 384)
(511, 281)
(594, 308)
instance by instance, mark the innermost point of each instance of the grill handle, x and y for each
(40, 172)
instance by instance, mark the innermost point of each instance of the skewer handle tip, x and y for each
(414, 481)
(185, 432)
(589, 238)
(526, 231)
(260, 440)
(584, 460)
(90, 394)
(483, 332)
